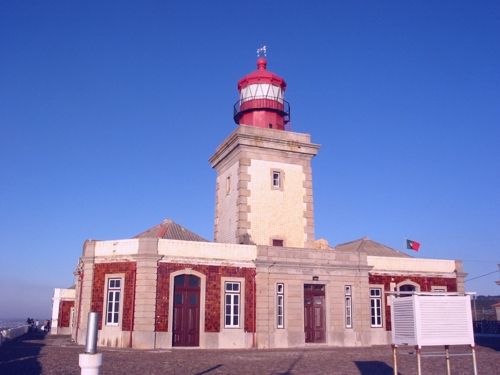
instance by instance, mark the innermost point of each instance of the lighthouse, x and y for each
(264, 178)
(262, 103)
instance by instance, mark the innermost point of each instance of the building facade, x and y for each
(265, 281)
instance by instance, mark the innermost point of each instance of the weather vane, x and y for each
(262, 51)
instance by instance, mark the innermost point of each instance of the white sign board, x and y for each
(424, 320)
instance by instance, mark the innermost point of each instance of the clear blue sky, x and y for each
(109, 112)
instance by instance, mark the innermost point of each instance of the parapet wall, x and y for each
(12, 333)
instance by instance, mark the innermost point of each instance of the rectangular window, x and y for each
(376, 307)
(438, 289)
(280, 305)
(348, 306)
(232, 297)
(228, 184)
(276, 183)
(113, 302)
(277, 242)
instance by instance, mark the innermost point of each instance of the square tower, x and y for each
(264, 190)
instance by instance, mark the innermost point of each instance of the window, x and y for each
(113, 302)
(376, 307)
(276, 180)
(411, 289)
(280, 305)
(438, 289)
(232, 304)
(277, 242)
(348, 306)
(228, 184)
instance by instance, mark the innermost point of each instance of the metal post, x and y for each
(474, 363)
(91, 361)
(419, 367)
(447, 355)
(92, 325)
(394, 359)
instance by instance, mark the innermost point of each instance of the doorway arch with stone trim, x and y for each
(187, 275)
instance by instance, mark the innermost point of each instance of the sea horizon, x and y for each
(6, 323)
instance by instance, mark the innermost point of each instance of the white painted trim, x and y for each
(241, 281)
(116, 247)
(108, 276)
(207, 250)
(382, 306)
(414, 265)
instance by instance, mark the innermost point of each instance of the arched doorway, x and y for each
(186, 317)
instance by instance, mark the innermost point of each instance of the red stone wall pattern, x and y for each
(99, 288)
(425, 286)
(212, 297)
(65, 313)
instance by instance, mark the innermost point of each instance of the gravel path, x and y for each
(39, 354)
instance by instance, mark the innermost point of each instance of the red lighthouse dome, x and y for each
(262, 102)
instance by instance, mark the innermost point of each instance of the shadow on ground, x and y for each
(292, 365)
(492, 342)
(20, 356)
(374, 368)
(209, 370)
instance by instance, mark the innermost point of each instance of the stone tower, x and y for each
(264, 179)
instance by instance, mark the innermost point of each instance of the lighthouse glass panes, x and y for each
(376, 307)
(348, 306)
(280, 305)
(261, 91)
(113, 302)
(232, 297)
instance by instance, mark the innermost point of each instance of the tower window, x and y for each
(228, 184)
(277, 242)
(276, 180)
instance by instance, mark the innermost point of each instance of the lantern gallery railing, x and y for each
(261, 103)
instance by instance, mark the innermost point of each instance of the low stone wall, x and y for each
(12, 333)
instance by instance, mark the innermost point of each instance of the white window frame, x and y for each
(348, 305)
(376, 312)
(114, 301)
(439, 289)
(228, 184)
(277, 179)
(280, 305)
(232, 300)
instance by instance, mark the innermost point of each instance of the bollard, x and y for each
(91, 361)
(91, 341)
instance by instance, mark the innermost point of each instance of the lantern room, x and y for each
(262, 102)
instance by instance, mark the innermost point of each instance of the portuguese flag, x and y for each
(412, 245)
